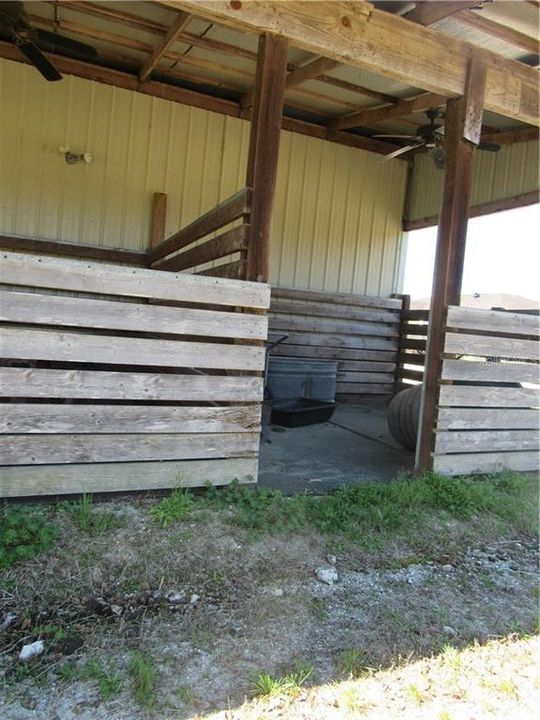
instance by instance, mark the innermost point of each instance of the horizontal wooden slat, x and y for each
(365, 388)
(328, 340)
(78, 250)
(366, 366)
(337, 298)
(105, 385)
(484, 345)
(51, 449)
(413, 329)
(416, 315)
(493, 321)
(304, 323)
(487, 419)
(31, 344)
(20, 481)
(469, 441)
(471, 463)
(44, 418)
(233, 270)
(344, 354)
(485, 396)
(365, 377)
(41, 309)
(489, 371)
(216, 218)
(329, 310)
(91, 277)
(227, 243)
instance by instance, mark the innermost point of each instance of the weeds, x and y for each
(107, 677)
(143, 679)
(351, 663)
(24, 533)
(88, 519)
(177, 506)
(267, 686)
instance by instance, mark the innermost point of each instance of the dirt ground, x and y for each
(209, 607)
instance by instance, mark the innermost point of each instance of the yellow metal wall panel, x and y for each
(337, 221)
(512, 171)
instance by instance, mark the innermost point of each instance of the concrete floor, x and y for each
(354, 446)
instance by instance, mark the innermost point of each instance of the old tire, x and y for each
(404, 416)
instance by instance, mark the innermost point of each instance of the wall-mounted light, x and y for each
(73, 158)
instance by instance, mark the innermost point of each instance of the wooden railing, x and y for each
(412, 346)
(179, 251)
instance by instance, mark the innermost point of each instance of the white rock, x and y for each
(175, 598)
(31, 651)
(327, 575)
(447, 630)
(195, 599)
(277, 592)
(332, 559)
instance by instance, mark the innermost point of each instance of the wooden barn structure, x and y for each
(210, 171)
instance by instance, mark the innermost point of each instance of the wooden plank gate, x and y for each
(489, 393)
(118, 378)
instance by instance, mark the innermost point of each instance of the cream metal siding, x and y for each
(497, 176)
(338, 211)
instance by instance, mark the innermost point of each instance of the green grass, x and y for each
(267, 686)
(25, 532)
(352, 663)
(177, 506)
(107, 677)
(143, 679)
(88, 518)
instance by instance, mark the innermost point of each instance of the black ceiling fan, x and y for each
(15, 28)
(430, 136)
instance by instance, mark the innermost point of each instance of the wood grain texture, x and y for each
(31, 344)
(339, 326)
(336, 298)
(487, 419)
(493, 321)
(332, 310)
(471, 396)
(42, 418)
(21, 481)
(471, 441)
(329, 353)
(159, 219)
(106, 385)
(58, 310)
(233, 270)
(482, 463)
(88, 448)
(90, 277)
(76, 250)
(327, 340)
(488, 346)
(490, 372)
(227, 243)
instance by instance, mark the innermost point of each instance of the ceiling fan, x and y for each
(15, 28)
(430, 136)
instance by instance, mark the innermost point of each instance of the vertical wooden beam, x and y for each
(463, 125)
(264, 150)
(159, 216)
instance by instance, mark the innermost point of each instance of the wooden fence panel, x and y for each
(489, 396)
(360, 333)
(412, 346)
(124, 390)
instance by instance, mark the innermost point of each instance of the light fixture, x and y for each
(73, 158)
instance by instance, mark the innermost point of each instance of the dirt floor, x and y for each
(208, 606)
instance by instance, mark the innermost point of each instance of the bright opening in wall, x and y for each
(502, 261)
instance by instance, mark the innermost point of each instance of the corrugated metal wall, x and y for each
(510, 172)
(338, 214)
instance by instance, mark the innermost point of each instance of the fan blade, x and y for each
(38, 59)
(52, 42)
(489, 146)
(400, 151)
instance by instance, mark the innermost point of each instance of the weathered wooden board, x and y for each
(475, 396)
(105, 385)
(471, 441)
(38, 309)
(86, 448)
(45, 418)
(490, 372)
(481, 463)
(485, 345)
(493, 321)
(227, 243)
(18, 481)
(366, 366)
(332, 310)
(338, 326)
(329, 353)
(487, 419)
(337, 298)
(90, 277)
(32, 344)
(364, 388)
(364, 377)
(233, 270)
(328, 340)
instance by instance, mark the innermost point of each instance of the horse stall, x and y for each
(207, 179)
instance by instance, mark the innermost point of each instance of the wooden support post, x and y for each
(159, 216)
(264, 150)
(463, 125)
(405, 307)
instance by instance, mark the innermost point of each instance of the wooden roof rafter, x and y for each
(171, 37)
